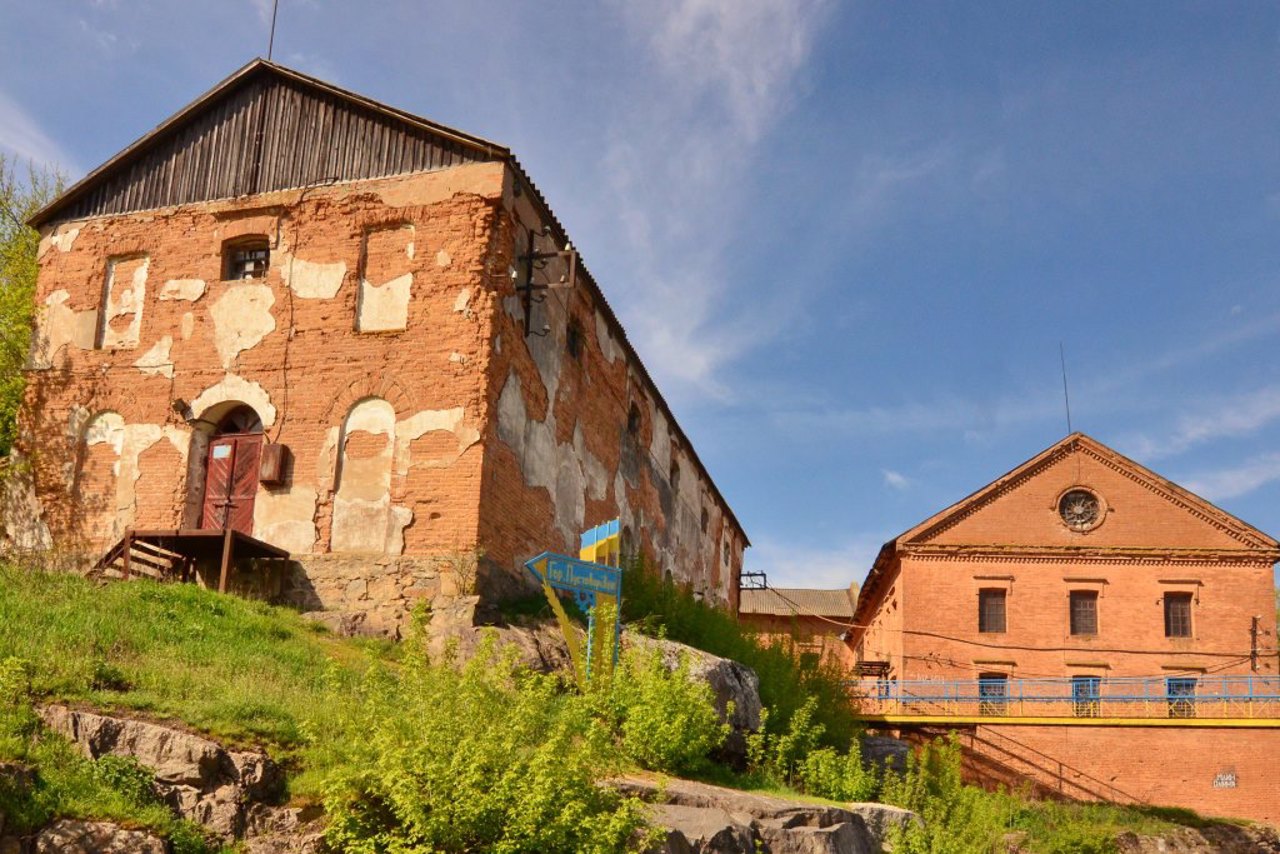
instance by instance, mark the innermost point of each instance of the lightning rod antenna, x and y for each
(271, 41)
(1066, 396)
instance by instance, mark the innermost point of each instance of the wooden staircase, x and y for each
(132, 557)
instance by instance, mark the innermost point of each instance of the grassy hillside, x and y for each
(363, 722)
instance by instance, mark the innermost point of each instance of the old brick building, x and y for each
(355, 335)
(1089, 626)
(815, 621)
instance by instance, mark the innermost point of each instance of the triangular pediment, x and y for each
(1135, 509)
(265, 128)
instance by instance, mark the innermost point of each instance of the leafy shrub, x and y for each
(955, 818)
(18, 721)
(666, 720)
(826, 773)
(655, 606)
(482, 758)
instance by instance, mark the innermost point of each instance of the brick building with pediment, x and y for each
(346, 336)
(1089, 626)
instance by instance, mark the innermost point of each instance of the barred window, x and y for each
(1177, 615)
(1084, 612)
(246, 258)
(991, 610)
(993, 693)
(1086, 696)
(1181, 692)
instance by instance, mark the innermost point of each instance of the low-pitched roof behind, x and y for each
(797, 601)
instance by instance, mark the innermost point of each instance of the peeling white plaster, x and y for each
(240, 390)
(56, 326)
(124, 299)
(384, 308)
(24, 525)
(286, 518)
(106, 428)
(241, 319)
(442, 259)
(660, 447)
(429, 420)
(462, 303)
(363, 518)
(543, 463)
(603, 337)
(457, 358)
(157, 360)
(62, 240)
(188, 325)
(312, 280)
(128, 442)
(189, 290)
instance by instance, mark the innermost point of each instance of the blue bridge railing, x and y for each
(1181, 696)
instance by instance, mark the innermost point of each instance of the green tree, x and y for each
(22, 193)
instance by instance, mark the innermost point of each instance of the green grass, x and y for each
(242, 671)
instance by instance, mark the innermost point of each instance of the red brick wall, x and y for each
(810, 634)
(1162, 766)
(288, 345)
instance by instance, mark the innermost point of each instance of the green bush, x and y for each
(655, 606)
(955, 818)
(485, 757)
(666, 720)
(826, 773)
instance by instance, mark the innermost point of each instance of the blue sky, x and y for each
(846, 238)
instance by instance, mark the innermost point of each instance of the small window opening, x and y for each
(1177, 615)
(993, 693)
(1086, 696)
(706, 519)
(633, 420)
(991, 611)
(574, 341)
(246, 259)
(1084, 612)
(1181, 696)
(673, 476)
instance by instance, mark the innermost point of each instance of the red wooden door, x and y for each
(231, 482)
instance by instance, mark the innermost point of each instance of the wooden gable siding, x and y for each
(269, 133)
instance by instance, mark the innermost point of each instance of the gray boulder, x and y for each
(704, 819)
(198, 778)
(96, 837)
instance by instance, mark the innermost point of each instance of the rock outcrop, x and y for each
(703, 819)
(96, 837)
(1219, 839)
(198, 778)
(541, 647)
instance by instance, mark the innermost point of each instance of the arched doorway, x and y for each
(231, 471)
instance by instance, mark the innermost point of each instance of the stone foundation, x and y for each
(374, 594)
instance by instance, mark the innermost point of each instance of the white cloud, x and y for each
(715, 77)
(807, 565)
(1217, 418)
(894, 479)
(1234, 482)
(21, 135)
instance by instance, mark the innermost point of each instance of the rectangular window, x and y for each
(993, 693)
(1177, 615)
(1084, 612)
(991, 610)
(1086, 696)
(1181, 692)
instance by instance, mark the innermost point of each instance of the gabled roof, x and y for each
(227, 122)
(797, 601)
(250, 134)
(1249, 538)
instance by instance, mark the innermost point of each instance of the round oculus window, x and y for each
(1080, 509)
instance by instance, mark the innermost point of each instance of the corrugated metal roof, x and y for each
(799, 601)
